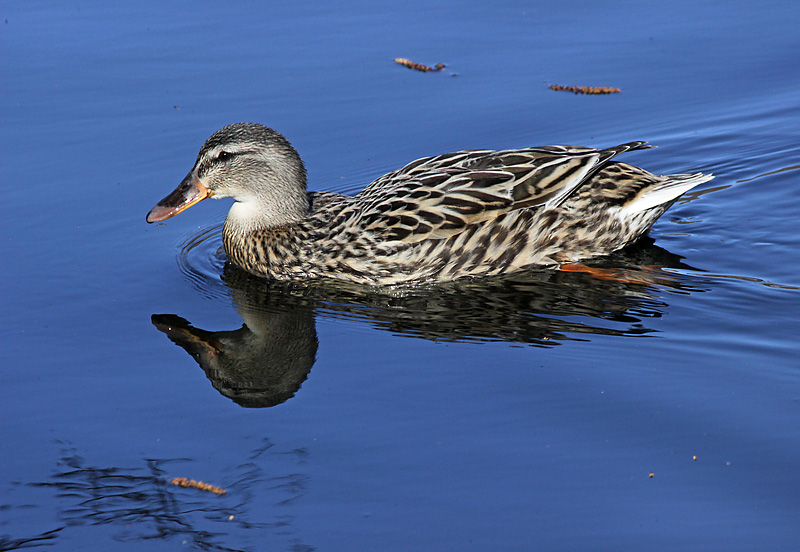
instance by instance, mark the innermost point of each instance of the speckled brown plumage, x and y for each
(469, 213)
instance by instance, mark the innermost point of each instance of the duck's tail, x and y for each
(639, 214)
(665, 193)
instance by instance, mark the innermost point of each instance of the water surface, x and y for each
(656, 410)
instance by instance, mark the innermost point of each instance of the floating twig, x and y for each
(184, 482)
(586, 89)
(418, 66)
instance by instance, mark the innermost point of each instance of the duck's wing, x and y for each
(438, 196)
(434, 204)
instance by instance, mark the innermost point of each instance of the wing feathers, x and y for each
(437, 196)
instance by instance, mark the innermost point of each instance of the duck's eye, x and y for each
(224, 156)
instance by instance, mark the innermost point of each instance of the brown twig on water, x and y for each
(418, 66)
(586, 89)
(184, 482)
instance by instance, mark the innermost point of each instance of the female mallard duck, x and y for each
(469, 213)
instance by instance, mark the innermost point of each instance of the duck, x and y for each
(465, 214)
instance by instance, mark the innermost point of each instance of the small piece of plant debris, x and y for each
(418, 66)
(586, 89)
(184, 482)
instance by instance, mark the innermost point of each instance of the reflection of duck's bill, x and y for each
(190, 191)
(182, 333)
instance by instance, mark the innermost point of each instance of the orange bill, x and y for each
(188, 192)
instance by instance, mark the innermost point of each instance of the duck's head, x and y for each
(254, 165)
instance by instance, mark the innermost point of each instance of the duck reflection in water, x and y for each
(261, 364)
(265, 362)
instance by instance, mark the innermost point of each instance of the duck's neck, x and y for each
(262, 212)
(259, 237)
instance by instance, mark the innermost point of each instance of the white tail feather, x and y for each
(674, 187)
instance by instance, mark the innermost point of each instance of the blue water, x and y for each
(547, 411)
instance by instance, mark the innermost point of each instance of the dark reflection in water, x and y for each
(143, 505)
(264, 362)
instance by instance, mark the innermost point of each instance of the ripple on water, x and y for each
(201, 260)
